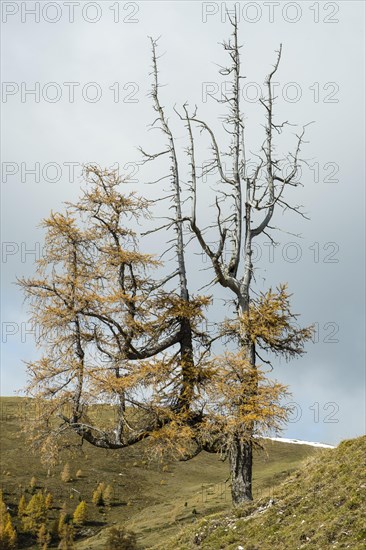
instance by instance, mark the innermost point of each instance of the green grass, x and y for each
(321, 506)
(155, 500)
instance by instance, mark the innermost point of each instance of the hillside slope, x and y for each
(155, 500)
(320, 506)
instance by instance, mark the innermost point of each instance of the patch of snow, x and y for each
(300, 442)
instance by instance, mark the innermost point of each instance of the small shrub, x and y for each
(98, 495)
(35, 513)
(120, 539)
(22, 506)
(80, 514)
(61, 524)
(33, 485)
(66, 473)
(64, 519)
(49, 501)
(67, 537)
(79, 474)
(43, 537)
(8, 536)
(108, 495)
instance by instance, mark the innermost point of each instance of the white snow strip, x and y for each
(300, 442)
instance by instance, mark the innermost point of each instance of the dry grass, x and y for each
(321, 506)
(155, 500)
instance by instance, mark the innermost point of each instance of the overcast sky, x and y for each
(88, 65)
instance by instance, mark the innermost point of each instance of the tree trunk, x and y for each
(188, 366)
(241, 471)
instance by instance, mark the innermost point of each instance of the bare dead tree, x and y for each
(250, 194)
(247, 194)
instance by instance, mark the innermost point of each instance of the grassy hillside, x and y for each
(321, 506)
(155, 500)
